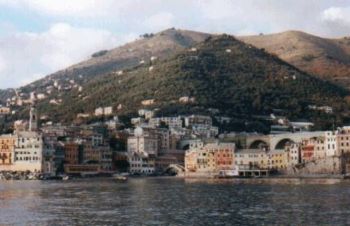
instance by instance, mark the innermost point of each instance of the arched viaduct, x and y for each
(278, 141)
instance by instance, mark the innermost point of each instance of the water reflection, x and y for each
(159, 201)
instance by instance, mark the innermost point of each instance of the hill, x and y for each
(148, 47)
(220, 73)
(5, 94)
(327, 58)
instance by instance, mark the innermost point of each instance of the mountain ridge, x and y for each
(324, 57)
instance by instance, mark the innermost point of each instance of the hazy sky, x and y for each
(38, 37)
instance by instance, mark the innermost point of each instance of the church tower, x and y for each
(33, 119)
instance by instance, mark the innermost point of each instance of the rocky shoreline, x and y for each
(17, 175)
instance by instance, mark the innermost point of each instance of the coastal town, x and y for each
(189, 146)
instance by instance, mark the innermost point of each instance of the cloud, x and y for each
(92, 25)
(213, 11)
(31, 55)
(337, 14)
(159, 21)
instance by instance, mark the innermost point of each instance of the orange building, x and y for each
(224, 158)
(307, 150)
(7, 146)
(72, 153)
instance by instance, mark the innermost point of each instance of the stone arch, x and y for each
(258, 144)
(186, 147)
(282, 143)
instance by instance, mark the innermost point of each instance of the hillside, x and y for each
(149, 46)
(222, 73)
(327, 58)
(5, 94)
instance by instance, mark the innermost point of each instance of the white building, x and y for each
(194, 120)
(205, 130)
(294, 153)
(141, 143)
(251, 158)
(99, 111)
(108, 110)
(28, 152)
(169, 121)
(140, 164)
(137, 121)
(331, 145)
(148, 102)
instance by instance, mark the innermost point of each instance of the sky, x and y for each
(39, 37)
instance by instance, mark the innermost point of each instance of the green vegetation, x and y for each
(99, 53)
(223, 73)
(308, 57)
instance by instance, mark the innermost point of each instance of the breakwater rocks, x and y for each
(16, 175)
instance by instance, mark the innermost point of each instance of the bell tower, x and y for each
(33, 118)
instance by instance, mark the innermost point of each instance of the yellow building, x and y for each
(7, 148)
(191, 160)
(277, 159)
(205, 161)
(5, 110)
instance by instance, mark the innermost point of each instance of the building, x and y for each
(72, 153)
(307, 150)
(293, 153)
(48, 165)
(108, 110)
(33, 119)
(7, 147)
(191, 160)
(90, 153)
(28, 152)
(148, 102)
(251, 159)
(147, 114)
(163, 136)
(99, 111)
(5, 110)
(343, 140)
(141, 164)
(137, 121)
(313, 148)
(210, 159)
(277, 159)
(320, 150)
(171, 122)
(145, 144)
(330, 142)
(105, 160)
(198, 120)
(205, 130)
(82, 169)
(186, 99)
